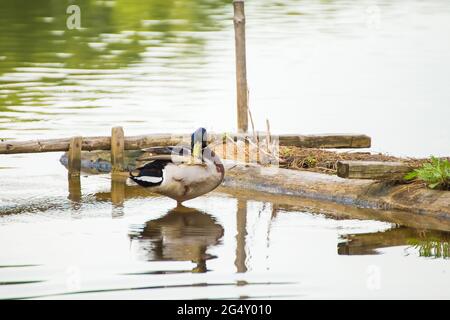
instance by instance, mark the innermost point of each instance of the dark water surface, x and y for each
(375, 67)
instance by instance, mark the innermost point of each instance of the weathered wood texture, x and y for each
(241, 65)
(117, 149)
(331, 141)
(74, 155)
(157, 140)
(321, 187)
(361, 193)
(375, 170)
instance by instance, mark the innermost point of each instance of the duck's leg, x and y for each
(180, 205)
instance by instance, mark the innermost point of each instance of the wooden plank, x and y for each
(117, 149)
(157, 140)
(241, 65)
(329, 141)
(375, 170)
(74, 156)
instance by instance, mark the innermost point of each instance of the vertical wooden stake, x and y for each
(117, 149)
(241, 66)
(247, 150)
(258, 150)
(224, 147)
(268, 136)
(74, 164)
(235, 148)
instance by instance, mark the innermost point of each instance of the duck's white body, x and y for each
(178, 177)
(186, 181)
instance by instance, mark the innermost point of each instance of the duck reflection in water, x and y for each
(183, 234)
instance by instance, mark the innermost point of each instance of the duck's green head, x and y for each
(199, 141)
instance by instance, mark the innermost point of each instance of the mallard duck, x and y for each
(181, 173)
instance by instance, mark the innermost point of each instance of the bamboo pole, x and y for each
(241, 66)
(334, 141)
(117, 149)
(74, 164)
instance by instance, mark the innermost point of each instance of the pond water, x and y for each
(98, 238)
(374, 67)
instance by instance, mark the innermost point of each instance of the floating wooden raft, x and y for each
(355, 192)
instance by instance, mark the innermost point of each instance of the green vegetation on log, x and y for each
(436, 174)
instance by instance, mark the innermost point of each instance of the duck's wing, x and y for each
(156, 160)
(151, 174)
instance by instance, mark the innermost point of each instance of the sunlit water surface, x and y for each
(374, 67)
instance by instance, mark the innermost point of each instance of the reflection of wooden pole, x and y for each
(74, 188)
(241, 225)
(118, 195)
(241, 65)
(74, 156)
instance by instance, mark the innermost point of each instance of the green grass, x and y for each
(436, 174)
(431, 248)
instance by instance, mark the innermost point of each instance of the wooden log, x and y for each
(117, 149)
(360, 193)
(329, 141)
(89, 143)
(375, 170)
(74, 156)
(157, 140)
(241, 65)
